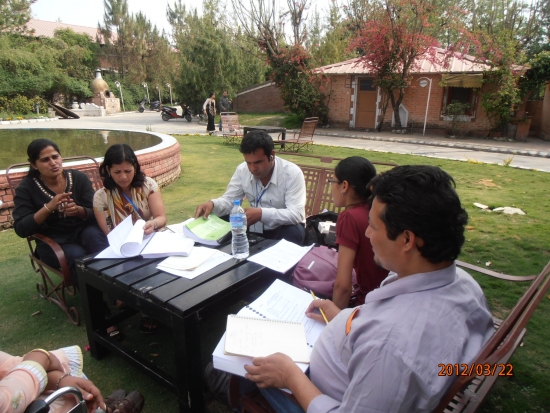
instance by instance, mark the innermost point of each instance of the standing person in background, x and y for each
(225, 106)
(349, 190)
(209, 109)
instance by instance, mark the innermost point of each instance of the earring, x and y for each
(342, 192)
(109, 174)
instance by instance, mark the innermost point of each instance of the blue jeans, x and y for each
(280, 402)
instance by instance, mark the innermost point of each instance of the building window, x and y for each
(468, 97)
(366, 84)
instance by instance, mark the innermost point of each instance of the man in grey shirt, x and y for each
(383, 356)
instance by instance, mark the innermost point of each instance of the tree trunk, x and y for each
(385, 103)
(396, 104)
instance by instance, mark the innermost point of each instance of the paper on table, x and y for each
(281, 257)
(217, 259)
(198, 256)
(125, 240)
(178, 228)
(168, 244)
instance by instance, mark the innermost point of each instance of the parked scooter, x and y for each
(155, 105)
(171, 113)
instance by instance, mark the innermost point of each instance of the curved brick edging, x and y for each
(14, 122)
(160, 162)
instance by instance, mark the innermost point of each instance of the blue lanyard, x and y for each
(133, 205)
(259, 198)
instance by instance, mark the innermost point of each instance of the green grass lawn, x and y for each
(515, 244)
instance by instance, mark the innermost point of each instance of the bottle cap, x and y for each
(237, 202)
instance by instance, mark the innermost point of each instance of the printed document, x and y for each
(281, 257)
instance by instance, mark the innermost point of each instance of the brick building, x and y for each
(354, 101)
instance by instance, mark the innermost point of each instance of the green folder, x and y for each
(208, 231)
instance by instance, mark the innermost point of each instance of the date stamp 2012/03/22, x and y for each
(478, 369)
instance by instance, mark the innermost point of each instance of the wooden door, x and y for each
(366, 104)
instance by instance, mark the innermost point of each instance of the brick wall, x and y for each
(534, 109)
(162, 165)
(265, 97)
(339, 102)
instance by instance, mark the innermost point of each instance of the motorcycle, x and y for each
(171, 113)
(155, 105)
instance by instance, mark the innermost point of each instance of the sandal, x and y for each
(132, 403)
(114, 332)
(114, 399)
(148, 325)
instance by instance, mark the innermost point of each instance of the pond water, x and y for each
(71, 142)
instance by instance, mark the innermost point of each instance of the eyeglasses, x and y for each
(334, 181)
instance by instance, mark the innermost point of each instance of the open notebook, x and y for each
(281, 301)
(128, 240)
(260, 337)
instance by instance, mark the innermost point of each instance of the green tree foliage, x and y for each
(14, 14)
(43, 66)
(301, 88)
(211, 55)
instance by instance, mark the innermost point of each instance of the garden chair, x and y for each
(301, 139)
(232, 130)
(468, 391)
(50, 288)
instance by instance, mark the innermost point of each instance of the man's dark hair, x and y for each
(115, 155)
(422, 199)
(257, 140)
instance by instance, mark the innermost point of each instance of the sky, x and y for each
(90, 12)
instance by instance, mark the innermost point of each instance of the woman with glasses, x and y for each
(349, 190)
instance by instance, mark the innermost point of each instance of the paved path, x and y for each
(534, 154)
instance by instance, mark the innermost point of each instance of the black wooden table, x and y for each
(267, 129)
(176, 302)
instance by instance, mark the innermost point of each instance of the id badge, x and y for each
(257, 228)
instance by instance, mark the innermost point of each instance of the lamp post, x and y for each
(170, 87)
(158, 89)
(146, 88)
(117, 84)
(423, 82)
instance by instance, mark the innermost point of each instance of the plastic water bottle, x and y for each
(239, 241)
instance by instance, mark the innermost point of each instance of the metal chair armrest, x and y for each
(58, 251)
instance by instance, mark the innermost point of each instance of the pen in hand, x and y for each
(320, 309)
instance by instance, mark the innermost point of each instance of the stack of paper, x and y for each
(281, 301)
(200, 260)
(211, 231)
(128, 240)
(281, 257)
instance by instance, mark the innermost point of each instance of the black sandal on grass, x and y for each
(147, 325)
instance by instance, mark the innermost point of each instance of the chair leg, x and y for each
(48, 290)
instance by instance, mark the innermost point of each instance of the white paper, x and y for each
(281, 257)
(217, 259)
(178, 228)
(168, 244)
(198, 256)
(281, 301)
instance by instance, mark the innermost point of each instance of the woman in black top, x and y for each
(57, 203)
(209, 108)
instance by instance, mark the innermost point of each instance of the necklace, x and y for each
(46, 189)
(357, 203)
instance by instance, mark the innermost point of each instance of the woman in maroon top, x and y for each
(349, 190)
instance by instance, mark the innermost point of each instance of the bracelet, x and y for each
(61, 378)
(156, 225)
(49, 210)
(41, 350)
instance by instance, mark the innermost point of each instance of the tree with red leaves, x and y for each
(395, 36)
